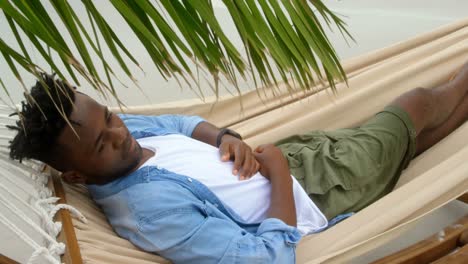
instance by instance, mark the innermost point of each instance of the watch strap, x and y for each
(225, 131)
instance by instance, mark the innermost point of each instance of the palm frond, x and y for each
(283, 36)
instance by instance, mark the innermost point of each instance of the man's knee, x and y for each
(423, 99)
(419, 103)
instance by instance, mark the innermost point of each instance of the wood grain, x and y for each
(68, 236)
(6, 260)
(432, 248)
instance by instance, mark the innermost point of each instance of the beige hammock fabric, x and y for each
(432, 180)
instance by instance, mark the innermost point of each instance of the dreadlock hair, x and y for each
(41, 119)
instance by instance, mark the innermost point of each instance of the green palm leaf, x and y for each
(283, 36)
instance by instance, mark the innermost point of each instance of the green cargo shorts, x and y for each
(345, 170)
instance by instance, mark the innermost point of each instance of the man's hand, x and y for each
(230, 148)
(271, 159)
(245, 164)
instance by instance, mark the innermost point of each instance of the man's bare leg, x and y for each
(428, 137)
(436, 112)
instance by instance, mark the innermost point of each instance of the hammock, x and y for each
(375, 79)
(27, 207)
(432, 180)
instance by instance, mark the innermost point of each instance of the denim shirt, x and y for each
(179, 218)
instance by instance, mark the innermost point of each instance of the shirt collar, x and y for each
(117, 185)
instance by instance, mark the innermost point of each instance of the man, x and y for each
(167, 183)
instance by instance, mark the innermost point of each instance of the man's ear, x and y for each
(74, 177)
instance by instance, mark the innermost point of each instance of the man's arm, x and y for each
(230, 148)
(282, 199)
(274, 166)
(195, 232)
(207, 133)
(200, 236)
(196, 238)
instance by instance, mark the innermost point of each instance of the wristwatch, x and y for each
(225, 131)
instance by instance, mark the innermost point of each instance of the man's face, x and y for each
(103, 151)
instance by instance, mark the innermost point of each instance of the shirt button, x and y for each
(189, 179)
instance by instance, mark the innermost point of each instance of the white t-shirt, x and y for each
(250, 199)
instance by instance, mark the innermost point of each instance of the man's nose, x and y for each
(117, 136)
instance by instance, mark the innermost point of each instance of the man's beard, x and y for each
(125, 171)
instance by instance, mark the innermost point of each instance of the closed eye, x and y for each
(108, 116)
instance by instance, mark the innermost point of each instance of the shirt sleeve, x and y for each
(182, 123)
(190, 237)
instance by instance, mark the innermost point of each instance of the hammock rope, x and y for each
(31, 182)
(38, 250)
